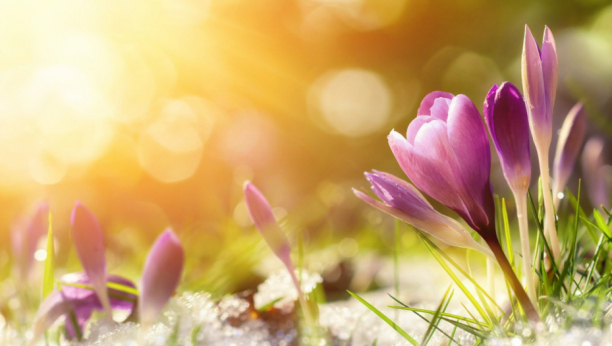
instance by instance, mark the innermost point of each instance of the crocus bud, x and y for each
(161, 276)
(506, 118)
(539, 69)
(446, 155)
(88, 241)
(570, 141)
(595, 173)
(25, 237)
(403, 201)
(263, 218)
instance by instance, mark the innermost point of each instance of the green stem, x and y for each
(514, 282)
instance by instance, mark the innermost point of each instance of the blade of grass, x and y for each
(461, 270)
(458, 282)
(435, 318)
(49, 273)
(387, 320)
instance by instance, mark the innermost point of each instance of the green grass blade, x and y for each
(387, 320)
(601, 223)
(458, 282)
(507, 234)
(461, 270)
(434, 320)
(49, 273)
(270, 304)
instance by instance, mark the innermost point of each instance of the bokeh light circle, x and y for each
(352, 102)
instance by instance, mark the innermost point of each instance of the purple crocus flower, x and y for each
(264, 220)
(88, 241)
(161, 276)
(402, 200)
(596, 173)
(76, 304)
(539, 69)
(24, 240)
(569, 144)
(446, 155)
(506, 117)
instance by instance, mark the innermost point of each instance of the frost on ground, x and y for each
(196, 319)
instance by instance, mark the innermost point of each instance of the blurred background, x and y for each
(153, 113)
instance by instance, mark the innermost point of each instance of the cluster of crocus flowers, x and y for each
(77, 295)
(446, 155)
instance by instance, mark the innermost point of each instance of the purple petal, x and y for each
(402, 197)
(534, 87)
(430, 164)
(88, 242)
(415, 126)
(470, 145)
(161, 276)
(429, 99)
(569, 144)
(506, 118)
(549, 70)
(81, 301)
(433, 223)
(263, 218)
(440, 108)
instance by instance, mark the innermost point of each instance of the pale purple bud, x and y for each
(446, 155)
(88, 241)
(569, 144)
(539, 70)
(596, 173)
(264, 220)
(403, 201)
(506, 117)
(161, 276)
(25, 237)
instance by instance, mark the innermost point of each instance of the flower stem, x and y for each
(549, 215)
(520, 198)
(301, 298)
(514, 282)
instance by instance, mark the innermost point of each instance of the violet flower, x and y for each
(402, 200)
(506, 117)
(76, 304)
(88, 242)
(596, 173)
(161, 276)
(263, 218)
(24, 240)
(446, 155)
(569, 144)
(539, 70)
